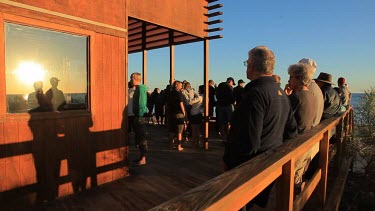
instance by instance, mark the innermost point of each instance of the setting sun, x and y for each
(29, 72)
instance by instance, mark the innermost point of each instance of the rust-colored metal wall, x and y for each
(182, 15)
(60, 148)
(108, 12)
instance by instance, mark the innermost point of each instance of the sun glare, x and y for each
(29, 72)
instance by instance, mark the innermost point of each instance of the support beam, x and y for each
(213, 29)
(213, 22)
(171, 58)
(144, 66)
(215, 6)
(286, 187)
(144, 54)
(213, 14)
(206, 90)
(214, 37)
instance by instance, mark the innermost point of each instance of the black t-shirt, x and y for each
(174, 100)
(238, 93)
(263, 121)
(224, 94)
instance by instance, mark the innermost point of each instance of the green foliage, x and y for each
(363, 145)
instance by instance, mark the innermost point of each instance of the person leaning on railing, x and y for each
(263, 120)
(304, 109)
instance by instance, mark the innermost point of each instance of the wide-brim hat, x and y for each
(325, 78)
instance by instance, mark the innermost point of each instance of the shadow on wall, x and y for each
(68, 158)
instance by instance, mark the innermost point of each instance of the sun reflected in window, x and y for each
(29, 72)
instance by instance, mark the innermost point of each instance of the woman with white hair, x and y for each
(303, 107)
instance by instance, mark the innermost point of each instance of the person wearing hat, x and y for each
(332, 101)
(224, 106)
(55, 95)
(238, 92)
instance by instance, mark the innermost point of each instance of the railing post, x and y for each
(351, 121)
(339, 136)
(285, 193)
(323, 165)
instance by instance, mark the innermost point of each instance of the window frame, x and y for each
(29, 22)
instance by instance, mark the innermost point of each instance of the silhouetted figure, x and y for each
(55, 95)
(158, 100)
(45, 150)
(238, 92)
(38, 101)
(32, 100)
(131, 89)
(211, 97)
(150, 107)
(80, 153)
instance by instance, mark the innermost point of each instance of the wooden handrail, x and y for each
(235, 188)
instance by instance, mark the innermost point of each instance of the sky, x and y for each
(338, 35)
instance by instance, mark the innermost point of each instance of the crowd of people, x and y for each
(251, 118)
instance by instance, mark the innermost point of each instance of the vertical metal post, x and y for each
(144, 53)
(144, 66)
(206, 90)
(171, 57)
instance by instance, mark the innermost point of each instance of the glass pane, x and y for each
(45, 70)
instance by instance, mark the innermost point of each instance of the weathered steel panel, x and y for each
(109, 12)
(182, 15)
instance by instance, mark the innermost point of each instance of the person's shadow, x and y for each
(57, 138)
(44, 149)
(80, 152)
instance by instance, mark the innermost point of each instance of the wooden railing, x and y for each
(235, 188)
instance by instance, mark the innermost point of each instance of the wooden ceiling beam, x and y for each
(134, 49)
(215, 6)
(213, 30)
(214, 14)
(132, 44)
(156, 30)
(210, 1)
(213, 22)
(214, 37)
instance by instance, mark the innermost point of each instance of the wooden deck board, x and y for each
(168, 173)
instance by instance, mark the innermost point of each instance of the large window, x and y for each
(45, 70)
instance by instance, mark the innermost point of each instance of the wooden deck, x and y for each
(168, 173)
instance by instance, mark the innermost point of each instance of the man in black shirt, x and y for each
(176, 114)
(211, 97)
(263, 120)
(224, 106)
(238, 92)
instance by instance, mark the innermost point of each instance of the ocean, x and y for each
(356, 97)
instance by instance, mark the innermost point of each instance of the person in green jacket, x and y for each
(139, 109)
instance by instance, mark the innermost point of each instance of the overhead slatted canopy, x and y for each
(146, 36)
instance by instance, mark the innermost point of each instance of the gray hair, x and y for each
(301, 70)
(312, 64)
(263, 59)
